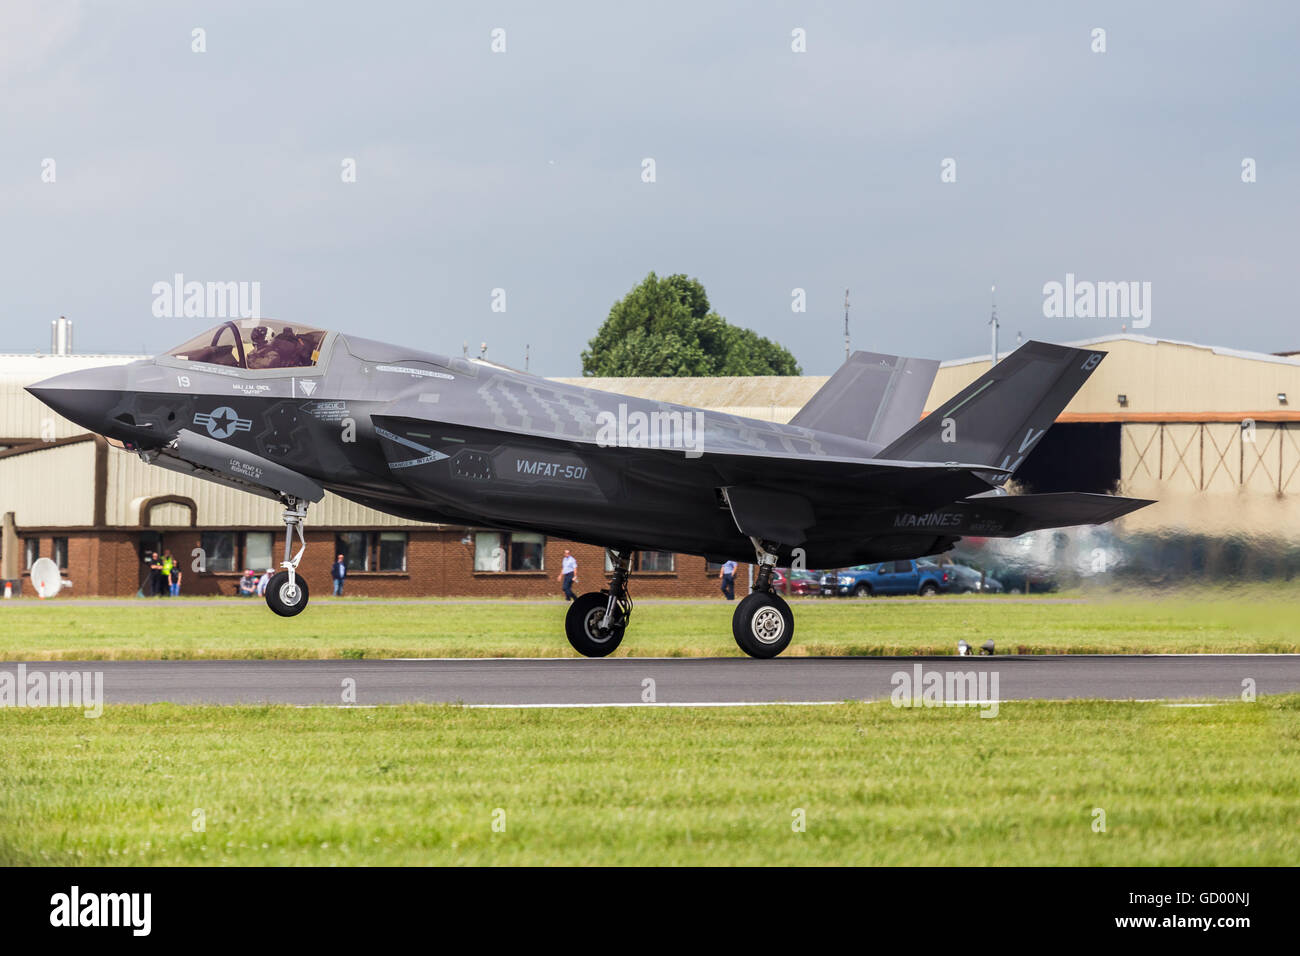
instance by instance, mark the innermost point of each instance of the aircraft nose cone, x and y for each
(83, 396)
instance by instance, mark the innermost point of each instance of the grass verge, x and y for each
(1188, 623)
(1216, 785)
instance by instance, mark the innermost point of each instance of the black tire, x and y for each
(929, 589)
(582, 626)
(281, 600)
(762, 625)
(862, 590)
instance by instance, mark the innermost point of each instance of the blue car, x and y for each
(889, 577)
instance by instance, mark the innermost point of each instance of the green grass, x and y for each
(1217, 785)
(1191, 622)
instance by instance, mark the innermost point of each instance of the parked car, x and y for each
(796, 582)
(966, 579)
(888, 577)
(1019, 581)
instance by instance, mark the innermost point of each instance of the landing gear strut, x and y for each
(763, 624)
(596, 620)
(286, 593)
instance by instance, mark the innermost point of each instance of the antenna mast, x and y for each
(993, 322)
(846, 325)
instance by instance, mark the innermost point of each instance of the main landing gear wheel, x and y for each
(763, 624)
(284, 597)
(596, 621)
(584, 626)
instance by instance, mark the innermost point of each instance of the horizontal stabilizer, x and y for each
(1057, 510)
(872, 397)
(999, 418)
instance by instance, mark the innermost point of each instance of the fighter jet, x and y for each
(857, 476)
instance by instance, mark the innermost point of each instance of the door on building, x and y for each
(147, 544)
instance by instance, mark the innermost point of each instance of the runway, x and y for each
(564, 682)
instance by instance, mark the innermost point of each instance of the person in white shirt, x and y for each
(728, 576)
(263, 581)
(568, 574)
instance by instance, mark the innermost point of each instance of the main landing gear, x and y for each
(763, 623)
(286, 593)
(596, 620)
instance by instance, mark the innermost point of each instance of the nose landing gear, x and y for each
(287, 593)
(595, 621)
(763, 623)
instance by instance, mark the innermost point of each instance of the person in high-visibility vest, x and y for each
(168, 564)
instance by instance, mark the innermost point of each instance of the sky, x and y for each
(774, 170)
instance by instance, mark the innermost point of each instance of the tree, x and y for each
(666, 327)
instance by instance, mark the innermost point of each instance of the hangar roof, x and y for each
(1283, 358)
(1161, 379)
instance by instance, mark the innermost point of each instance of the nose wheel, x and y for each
(285, 597)
(286, 592)
(763, 623)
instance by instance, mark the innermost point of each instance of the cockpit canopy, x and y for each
(254, 344)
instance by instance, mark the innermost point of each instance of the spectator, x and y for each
(146, 585)
(155, 575)
(248, 584)
(728, 576)
(568, 574)
(263, 581)
(166, 566)
(338, 573)
(172, 573)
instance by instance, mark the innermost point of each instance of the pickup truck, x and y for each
(888, 577)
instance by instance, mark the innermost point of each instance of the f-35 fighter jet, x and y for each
(287, 412)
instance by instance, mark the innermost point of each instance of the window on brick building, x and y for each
(61, 553)
(499, 551)
(489, 552)
(390, 547)
(352, 545)
(527, 552)
(218, 550)
(31, 551)
(654, 560)
(258, 550)
(645, 561)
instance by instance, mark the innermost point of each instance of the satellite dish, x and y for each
(45, 577)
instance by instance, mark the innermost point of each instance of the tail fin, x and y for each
(872, 397)
(999, 417)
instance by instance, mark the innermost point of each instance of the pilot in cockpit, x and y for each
(282, 351)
